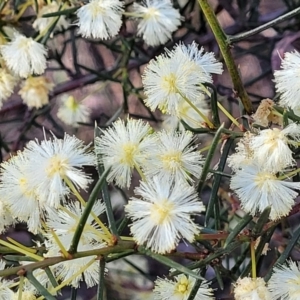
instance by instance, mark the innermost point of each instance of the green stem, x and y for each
(253, 260)
(86, 212)
(105, 192)
(100, 290)
(209, 157)
(204, 117)
(289, 175)
(225, 50)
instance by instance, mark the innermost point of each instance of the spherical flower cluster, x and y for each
(35, 180)
(251, 288)
(72, 112)
(285, 281)
(35, 91)
(163, 214)
(157, 20)
(180, 289)
(174, 156)
(258, 188)
(41, 23)
(176, 76)
(63, 223)
(7, 84)
(124, 147)
(24, 56)
(258, 161)
(287, 80)
(100, 18)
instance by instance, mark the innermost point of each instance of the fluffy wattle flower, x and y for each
(64, 222)
(251, 289)
(61, 225)
(7, 84)
(174, 156)
(170, 79)
(41, 23)
(271, 147)
(24, 56)
(258, 188)
(285, 282)
(35, 91)
(53, 162)
(124, 147)
(287, 80)
(163, 214)
(72, 112)
(180, 289)
(157, 20)
(18, 196)
(5, 292)
(100, 18)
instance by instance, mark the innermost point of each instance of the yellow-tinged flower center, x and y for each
(169, 83)
(152, 13)
(56, 165)
(96, 9)
(71, 103)
(24, 44)
(171, 160)
(183, 285)
(129, 152)
(273, 136)
(160, 212)
(262, 177)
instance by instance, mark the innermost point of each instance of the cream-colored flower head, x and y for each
(35, 91)
(271, 147)
(100, 18)
(41, 23)
(258, 188)
(169, 79)
(53, 162)
(180, 289)
(24, 56)
(157, 20)
(18, 196)
(72, 112)
(163, 214)
(61, 225)
(7, 84)
(6, 219)
(5, 292)
(124, 147)
(64, 222)
(174, 156)
(251, 289)
(285, 281)
(287, 80)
